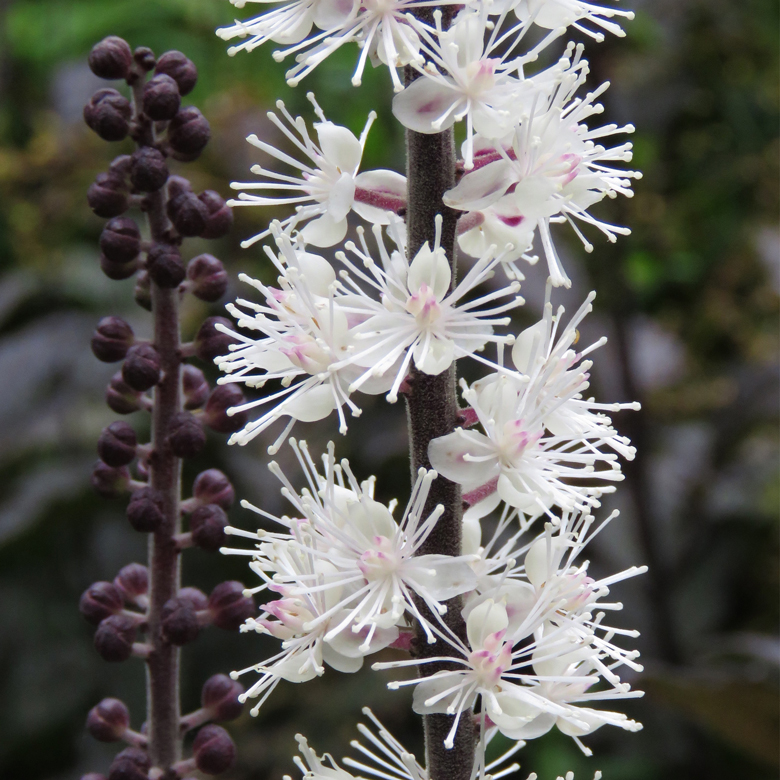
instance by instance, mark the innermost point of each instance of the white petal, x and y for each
(382, 182)
(341, 197)
(318, 272)
(328, 14)
(529, 344)
(424, 102)
(315, 404)
(472, 536)
(484, 620)
(339, 146)
(482, 508)
(440, 576)
(438, 357)
(430, 268)
(427, 689)
(447, 456)
(324, 231)
(339, 662)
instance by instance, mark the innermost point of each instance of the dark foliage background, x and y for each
(689, 302)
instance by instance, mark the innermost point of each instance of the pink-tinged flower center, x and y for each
(516, 440)
(305, 353)
(481, 75)
(424, 306)
(490, 662)
(290, 614)
(380, 561)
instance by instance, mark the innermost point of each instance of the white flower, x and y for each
(551, 170)
(328, 186)
(554, 14)
(539, 432)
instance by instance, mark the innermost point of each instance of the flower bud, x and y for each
(181, 69)
(117, 443)
(213, 487)
(220, 218)
(211, 343)
(111, 339)
(99, 601)
(114, 638)
(179, 621)
(145, 510)
(213, 750)
(111, 58)
(220, 695)
(187, 213)
(120, 240)
(120, 397)
(208, 278)
(223, 398)
(195, 596)
(165, 265)
(141, 369)
(177, 185)
(108, 114)
(144, 58)
(229, 607)
(120, 167)
(93, 776)
(161, 98)
(207, 526)
(195, 388)
(108, 720)
(186, 435)
(132, 581)
(107, 195)
(188, 133)
(117, 271)
(149, 170)
(130, 764)
(108, 481)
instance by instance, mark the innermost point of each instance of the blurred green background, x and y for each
(689, 302)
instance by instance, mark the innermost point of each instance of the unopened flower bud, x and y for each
(149, 170)
(195, 388)
(181, 69)
(108, 720)
(132, 581)
(142, 292)
(130, 764)
(145, 510)
(213, 487)
(144, 58)
(223, 398)
(120, 240)
(117, 443)
(211, 343)
(111, 58)
(108, 114)
(187, 437)
(114, 638)
(179, 621)
(120, 167)
(220, 695)
(107, 195)
(188, 133)
(161, 98)
(141, 369)
(187, 213)
(117, 272)
(195, 596)
(93, 776)
(208, 278)
(120, 397)
(165, 265)
(220, 218)
(108, 481)
(207, 526)
(177, 185)
(111, 339)
(213, 750)
(99, 601)
(229, 607)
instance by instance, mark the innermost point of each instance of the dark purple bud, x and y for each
(107, 195)
(114, 638)
(120, 397)
(220, 218)
(142, 293)
(177, 185)
(187, 213)
(187, 437)
(111, 339)
(179, 621)
(145, 510)
(144, 58)
(108, 720)
(208, 277)
(141, 369)
(161, 98)
(165, 265)
(188, 133)
(108, 114)
(181, 69)
(213, 750)
(99, 601)
(132, 581)
(111, 58)
(229, 607)
(117, 443)
(195, 388)
(213, 487)
(195, 596)
(120, 240)
(211, 343)
(117, 271)
(93, 776)
(108, 481)
(120, 167)
(220, 695)
(207, 526)
(130, 764)
(223, 398)
(149, 171)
